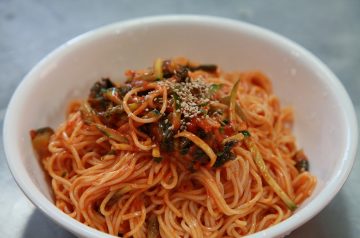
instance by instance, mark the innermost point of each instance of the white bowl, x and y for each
(325, 122)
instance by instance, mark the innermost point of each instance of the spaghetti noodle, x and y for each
(178, 150)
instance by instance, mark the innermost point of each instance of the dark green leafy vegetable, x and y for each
(184, 145)
(202, 134)
(200, 156)
(96, 98)
(99, 87)
(167, 135)
(245, 133)
(157, 159)
(225, 155)
(302, 162)
(302, 165)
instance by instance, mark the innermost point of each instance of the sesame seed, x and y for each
(192, 94)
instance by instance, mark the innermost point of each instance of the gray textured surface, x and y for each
(31, 29)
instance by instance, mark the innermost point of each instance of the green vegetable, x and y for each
(184, 145)
(238, 110)
(133, 106)
(232, 102)
(302, 165)
(259, 161)
(153, 113)
(96, 99)
(123, 90)
(111, 133)
(158, 72)
(112, 111)
(112, 94)
(214, 88)
(176, 114)
(88, 113)
(245, 133)
(100, 87)
(200, 156)
(167, 135)
(177, 101)
(224, 122)
(225, 155)
(157, 159)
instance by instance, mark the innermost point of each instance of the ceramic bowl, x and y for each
(325, 122)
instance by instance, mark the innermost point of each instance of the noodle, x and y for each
(177, 151)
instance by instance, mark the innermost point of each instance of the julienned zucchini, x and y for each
(259, 161)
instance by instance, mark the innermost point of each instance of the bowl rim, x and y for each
(306, 213)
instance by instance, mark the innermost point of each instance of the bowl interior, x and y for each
(322, 124)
